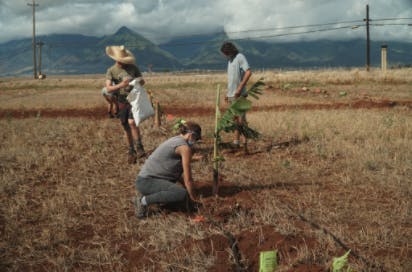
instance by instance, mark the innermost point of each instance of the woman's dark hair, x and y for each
(229, 49)
(191, 127)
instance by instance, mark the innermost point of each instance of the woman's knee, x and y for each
(181, 194)
(144, 185)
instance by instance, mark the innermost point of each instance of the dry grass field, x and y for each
(332, 171)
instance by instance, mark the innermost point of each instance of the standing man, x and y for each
(238, 74)
(118, 78)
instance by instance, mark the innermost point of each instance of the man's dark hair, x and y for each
(229, 49)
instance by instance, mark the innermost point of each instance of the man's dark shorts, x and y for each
(125, 113)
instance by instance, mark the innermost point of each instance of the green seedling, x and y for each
(340, 263)
(227, 123)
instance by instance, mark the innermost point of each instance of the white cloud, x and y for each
(162, 19)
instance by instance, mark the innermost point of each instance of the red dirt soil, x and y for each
(217, 211)
(100, 113)
(224, 246)
(249, 243)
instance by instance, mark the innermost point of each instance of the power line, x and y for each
(391, 24)
(56, 45)
(275, 28)
(255, 30)
(261, 30)
(282, 35)
(242, 31)
(281, 28)
(265, 36)
(296, 33)
(391, 19)
(270, 36)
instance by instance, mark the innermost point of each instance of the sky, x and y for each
(162, 20)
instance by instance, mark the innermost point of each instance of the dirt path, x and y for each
(99, 112)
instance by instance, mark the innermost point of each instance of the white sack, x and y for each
(139, 100)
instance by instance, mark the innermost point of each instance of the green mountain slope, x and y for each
(79, 54)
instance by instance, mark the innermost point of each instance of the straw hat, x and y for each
(120, 54)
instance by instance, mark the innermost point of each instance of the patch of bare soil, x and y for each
(251, 243)
(245, 246)
(92, 113)
(231, 251)
(100, 113)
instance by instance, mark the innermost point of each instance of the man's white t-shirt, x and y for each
(236, 69)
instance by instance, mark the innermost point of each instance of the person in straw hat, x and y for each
(118, 77)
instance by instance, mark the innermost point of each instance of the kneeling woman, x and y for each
(157, 179)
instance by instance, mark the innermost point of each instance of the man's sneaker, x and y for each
(234, 145)
(132, 157)
(140, 209)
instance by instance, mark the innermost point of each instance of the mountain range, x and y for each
(79, 54)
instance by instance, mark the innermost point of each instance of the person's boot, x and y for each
(234, 145)
(132, 156)
(140, 209)
(140, 150)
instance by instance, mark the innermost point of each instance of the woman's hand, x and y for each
(193, 196)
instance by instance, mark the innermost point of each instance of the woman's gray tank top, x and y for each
(164, 163)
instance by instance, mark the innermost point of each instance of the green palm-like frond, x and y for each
(256, 89)
(239, 107)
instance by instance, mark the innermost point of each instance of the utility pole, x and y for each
(40, 44)
(384, 57)
(368, 53)
(33, 5)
